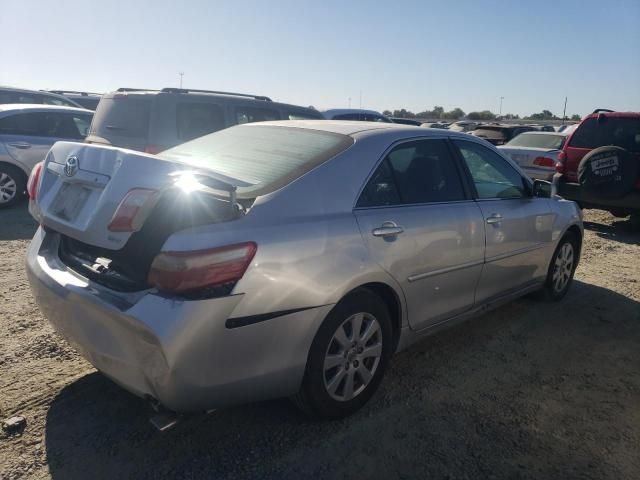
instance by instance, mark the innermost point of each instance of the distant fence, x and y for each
(519, 121)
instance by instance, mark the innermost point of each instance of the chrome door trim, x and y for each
(433, 273)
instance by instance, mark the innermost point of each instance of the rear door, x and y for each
(421, 225)
(518, 226)
(28, 136)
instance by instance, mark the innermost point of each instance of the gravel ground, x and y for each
(532, 390)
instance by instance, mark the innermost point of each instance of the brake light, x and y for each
(152, 149)
(178, 272)
(544, 162)
(562, 155)
(33, 184)
(133, 210)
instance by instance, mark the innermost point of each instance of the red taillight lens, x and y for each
(544, 162)
(562, 155)
(33, 183)
(131, 212)
(178, 272)
(153, 149)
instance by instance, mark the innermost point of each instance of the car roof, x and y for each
(229, 96)
(614, 114)
(14, 107)
(342, 111)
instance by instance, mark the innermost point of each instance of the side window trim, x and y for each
(460, 165)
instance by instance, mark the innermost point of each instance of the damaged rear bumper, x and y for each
(179, 352)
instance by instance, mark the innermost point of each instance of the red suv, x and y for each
(600, 163)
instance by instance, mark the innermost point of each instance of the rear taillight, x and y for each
(33, 184)
(133, 210)
(562, 156)
(153, 149)
(544, 162)
(178, 272)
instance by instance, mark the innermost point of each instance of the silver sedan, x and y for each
(536, 152)
(285, 258)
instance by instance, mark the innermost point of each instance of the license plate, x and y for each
(69, 201)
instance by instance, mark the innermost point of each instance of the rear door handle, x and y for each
(21, 145)
(494, 218)
(388, 229)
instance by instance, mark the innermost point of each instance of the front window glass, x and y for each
(492, 175)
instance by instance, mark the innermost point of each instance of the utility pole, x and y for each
(564, 112)
(181, 75)
(500, 114)
(360, 99)
(349, 102)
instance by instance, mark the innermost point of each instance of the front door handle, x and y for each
(21, 145)
(388, 229)
(494, 218)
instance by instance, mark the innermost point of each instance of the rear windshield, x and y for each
(618, 131)
(122, 116)
(495, 133)
(265, 157)
(535, 140)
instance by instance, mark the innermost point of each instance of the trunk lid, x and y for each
(82, 186)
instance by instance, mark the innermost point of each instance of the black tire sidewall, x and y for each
(604, 182)
(21, 183)
(551, 294)
(361, 300)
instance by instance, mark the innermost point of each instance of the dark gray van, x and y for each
(155, 120)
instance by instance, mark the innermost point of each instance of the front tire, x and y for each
(348, 357)
(562, 268)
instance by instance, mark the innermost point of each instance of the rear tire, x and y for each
(13, 184)
(348, 357)
(562, 268)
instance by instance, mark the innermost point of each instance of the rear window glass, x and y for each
(618, 131)
(253, 114)
(493, 133)
(122, 116)
(533, 140)
(197, 119)
(263, 157)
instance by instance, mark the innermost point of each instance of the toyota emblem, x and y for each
(71, 167)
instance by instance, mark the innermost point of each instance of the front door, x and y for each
(518, 226)
(423, 228)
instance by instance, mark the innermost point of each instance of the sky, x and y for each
(376, 54)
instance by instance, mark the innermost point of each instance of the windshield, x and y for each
(265, 157)
(536, 140)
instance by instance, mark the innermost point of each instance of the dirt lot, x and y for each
(532, 390)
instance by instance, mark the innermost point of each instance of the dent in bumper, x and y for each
(177, 351)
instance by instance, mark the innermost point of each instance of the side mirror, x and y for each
(541, 188)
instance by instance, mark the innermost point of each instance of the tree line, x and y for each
(457, 114)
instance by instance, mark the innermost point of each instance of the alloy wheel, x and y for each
(8, 188)
(353, 356)
(563, 267)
